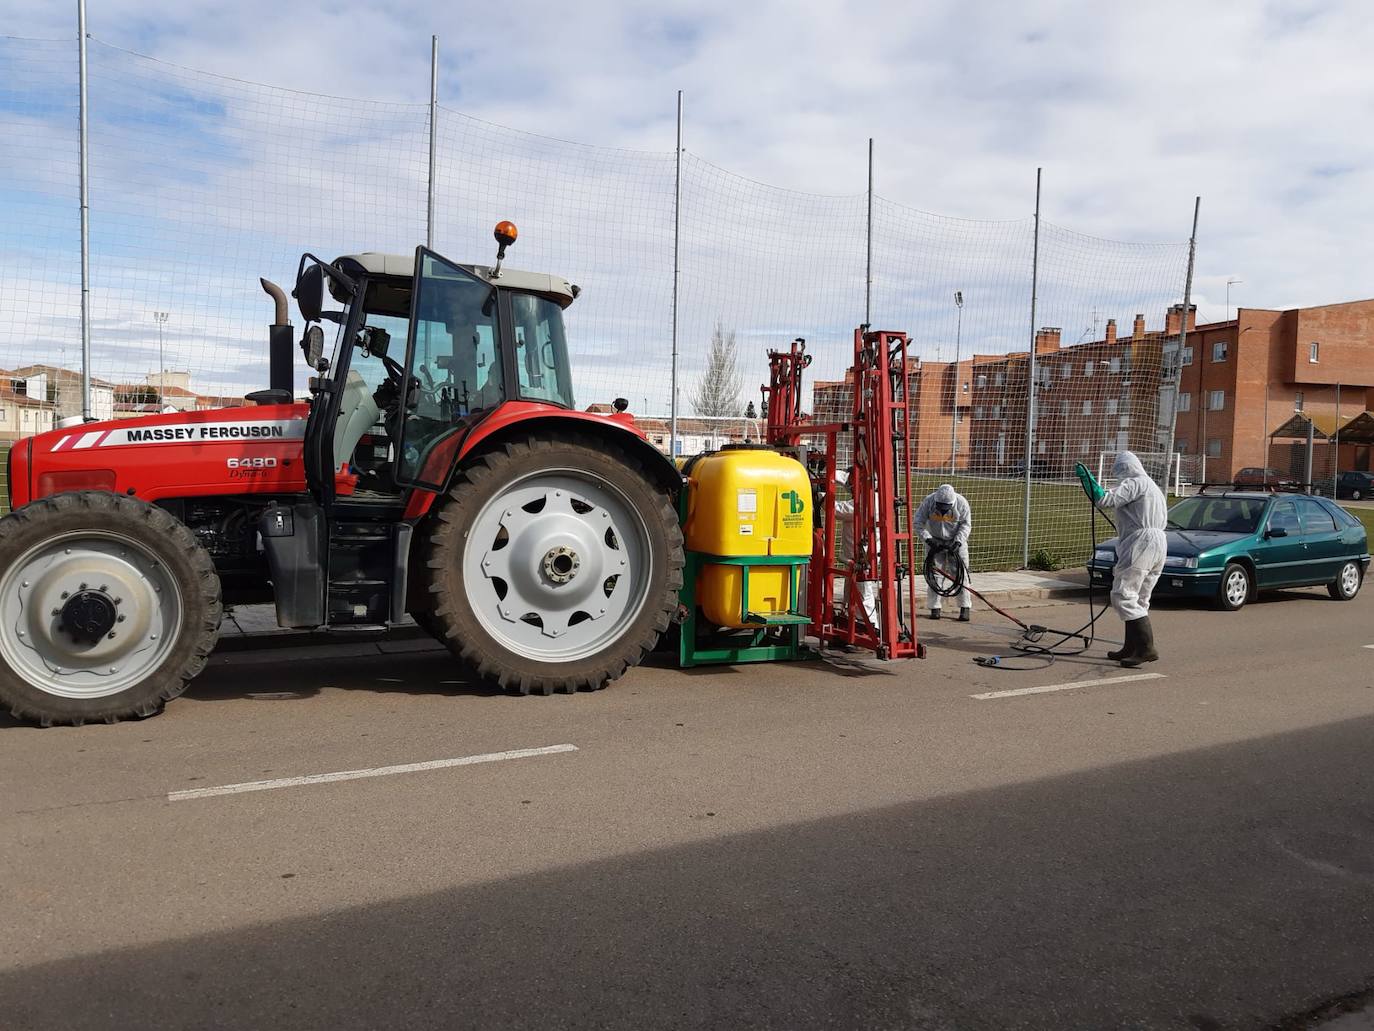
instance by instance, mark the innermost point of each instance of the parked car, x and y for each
(1229, 546)
(1254, 476)
(1355, 485)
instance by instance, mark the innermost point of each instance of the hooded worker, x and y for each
(944, 521)
(868, 589)
(1141, 513)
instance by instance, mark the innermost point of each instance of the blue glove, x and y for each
(1090, 486)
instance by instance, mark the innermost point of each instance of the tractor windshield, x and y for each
(541, 350)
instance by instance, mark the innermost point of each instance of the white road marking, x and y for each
(380, 771)
(1067, 687)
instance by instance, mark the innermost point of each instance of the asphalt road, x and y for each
(813, 845)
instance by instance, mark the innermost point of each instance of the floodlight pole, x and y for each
(677, 239)
(1030, 392)
(433, 133)
(85, 218)
(954, 407)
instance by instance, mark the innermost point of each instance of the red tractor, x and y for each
(454, 481)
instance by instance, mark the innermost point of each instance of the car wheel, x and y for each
(1236, 587)
(1347, 582)
(1355, 494)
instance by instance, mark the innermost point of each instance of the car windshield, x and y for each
(1218, 515)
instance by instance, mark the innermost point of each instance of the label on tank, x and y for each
(748, 501)
(746, 529)
(793, 511)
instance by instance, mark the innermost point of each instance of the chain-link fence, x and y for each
(199, 184)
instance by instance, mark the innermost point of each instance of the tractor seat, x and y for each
(274, 396)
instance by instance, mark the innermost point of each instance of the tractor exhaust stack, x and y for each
(280, 342)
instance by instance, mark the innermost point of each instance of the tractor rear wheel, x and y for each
(108, 607)
(555, 565)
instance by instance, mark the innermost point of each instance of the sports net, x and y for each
(199, 184)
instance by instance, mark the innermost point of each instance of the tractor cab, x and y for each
(425, 349)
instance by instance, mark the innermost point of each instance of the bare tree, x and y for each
(717, 392)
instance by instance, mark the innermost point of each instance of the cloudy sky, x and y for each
(1262, 108)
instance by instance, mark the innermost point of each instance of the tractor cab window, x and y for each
(456, 353)
(541, 350)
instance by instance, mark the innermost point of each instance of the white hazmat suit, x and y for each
(945, 515)
(1141, 513)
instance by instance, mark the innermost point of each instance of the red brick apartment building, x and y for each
(1238, 382)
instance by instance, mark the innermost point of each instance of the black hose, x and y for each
(950, 576)
(1029, 645)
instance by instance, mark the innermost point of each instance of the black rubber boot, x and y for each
(934, 613)
(1132, 642)
(1145, 645)
(965, 614)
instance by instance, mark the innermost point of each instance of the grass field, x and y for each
(1059, 524)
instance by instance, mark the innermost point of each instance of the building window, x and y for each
(1187, 356)
(977, 411)
(26, 416)
(1185, 402)
(1063, 408)
(1065, 371)
(1088, 368)
(997, 411)
(1087, 408)
(1216, 400)
(982, 382)
(1219, 351)
(1214, 448)
(1114, 366)
(1181, 445)
(998, 380)
(1297, 401)
(1111, 406)
(1042, 447)
(1314, 352)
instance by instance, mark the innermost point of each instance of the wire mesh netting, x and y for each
(200, 184)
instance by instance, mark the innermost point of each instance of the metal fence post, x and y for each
(1030, 390)
(1177, 374)
(433, 133)
(677, 233)
(85, 220)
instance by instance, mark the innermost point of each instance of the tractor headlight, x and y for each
(1182, 561)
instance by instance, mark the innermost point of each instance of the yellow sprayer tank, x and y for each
(747, 500)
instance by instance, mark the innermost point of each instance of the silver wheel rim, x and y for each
(1237, 587)
(121, 574)
(1350, 578)
(557, 567)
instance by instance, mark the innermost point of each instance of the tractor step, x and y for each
(362, 561)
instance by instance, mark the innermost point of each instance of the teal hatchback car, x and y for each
(1228, 546)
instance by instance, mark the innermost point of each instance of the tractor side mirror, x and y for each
(309, 292)
(312, 344)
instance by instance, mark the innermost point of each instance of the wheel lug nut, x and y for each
(57, 612)
(104, 587)
(111, 635)
(119, 619)
(64, 594)
(83, 587)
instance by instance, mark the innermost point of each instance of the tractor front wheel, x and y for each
(108, 607)
(555, 565)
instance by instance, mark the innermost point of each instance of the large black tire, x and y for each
(168, 548)
(497, 475)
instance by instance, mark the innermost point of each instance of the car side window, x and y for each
(1315, 518)
(1285, 517)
